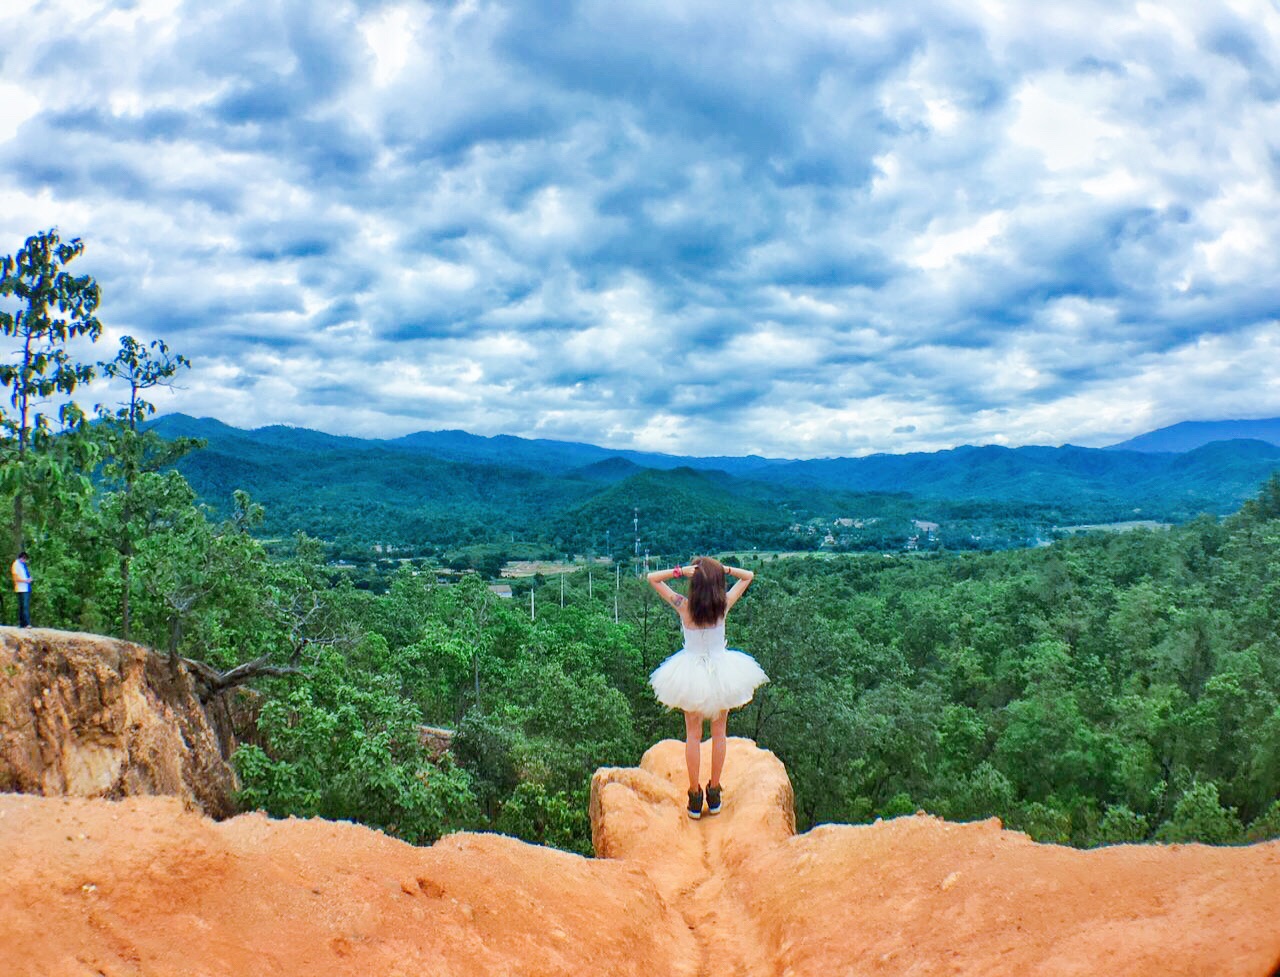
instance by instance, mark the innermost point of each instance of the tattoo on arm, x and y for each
(678, 600)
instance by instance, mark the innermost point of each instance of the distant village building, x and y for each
(501, 589)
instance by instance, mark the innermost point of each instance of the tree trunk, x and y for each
(126, 558)
(19, 541)
(124, 597)
(19, 544)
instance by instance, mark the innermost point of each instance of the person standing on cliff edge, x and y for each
(22, 587)
(705, 679)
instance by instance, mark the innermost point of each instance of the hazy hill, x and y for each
(1213, 478)
(539, 454)
(987, 471)
(682, 503)
(557, 457)
(450, 488)
(610, 470)
(347, 487)
(1192, 434)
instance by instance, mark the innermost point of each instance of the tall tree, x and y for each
(54, 308)
(131, 449)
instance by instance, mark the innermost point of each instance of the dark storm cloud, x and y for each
(285, 240)
(819, 227)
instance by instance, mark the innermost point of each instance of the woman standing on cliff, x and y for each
(705, 679)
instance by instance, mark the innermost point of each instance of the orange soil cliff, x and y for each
(922, 896)
(142, 887)
(90, 716)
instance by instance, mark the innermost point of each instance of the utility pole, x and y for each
(562, 590)
(533, 615)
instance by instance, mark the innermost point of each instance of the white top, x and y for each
(704, 641)
(21, 577)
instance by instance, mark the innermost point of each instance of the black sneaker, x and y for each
(713, 799)
(695, 804)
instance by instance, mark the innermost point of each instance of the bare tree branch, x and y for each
(214, 682)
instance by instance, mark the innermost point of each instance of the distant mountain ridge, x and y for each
(451, 485)
(560, 456)
(1229, 471)
(1189, 435)
(563, 456)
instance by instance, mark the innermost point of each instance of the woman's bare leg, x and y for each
(719, 744)
(693, 746)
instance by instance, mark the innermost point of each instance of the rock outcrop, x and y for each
(89, 716)
(142, 886)
(919, 895)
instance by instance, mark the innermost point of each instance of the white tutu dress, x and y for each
(704, 676)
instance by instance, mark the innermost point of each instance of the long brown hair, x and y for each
(706, 592)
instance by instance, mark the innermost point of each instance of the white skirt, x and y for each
(707, 683)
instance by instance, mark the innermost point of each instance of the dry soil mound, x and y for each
(143, 886)
(90, 716)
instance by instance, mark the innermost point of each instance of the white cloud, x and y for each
(727, 229)
(1057, 120)
(934, 251)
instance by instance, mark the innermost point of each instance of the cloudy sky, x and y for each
(799, 229)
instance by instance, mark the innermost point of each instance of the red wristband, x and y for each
(677, 571)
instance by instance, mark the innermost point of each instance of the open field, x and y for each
(1114, 527)
(527, 568)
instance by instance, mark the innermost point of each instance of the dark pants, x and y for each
(24, 609)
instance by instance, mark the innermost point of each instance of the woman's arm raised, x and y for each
(744, 578)
(658, 581)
